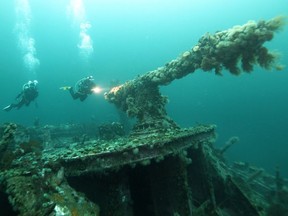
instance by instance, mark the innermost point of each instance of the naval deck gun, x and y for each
(236, 49)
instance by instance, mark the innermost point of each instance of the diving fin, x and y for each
(7, 108)
(65, 88)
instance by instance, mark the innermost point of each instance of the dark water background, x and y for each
(133, 37)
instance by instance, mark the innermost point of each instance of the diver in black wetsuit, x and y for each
(29, 93)
(83, 88)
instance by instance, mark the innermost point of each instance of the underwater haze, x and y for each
(59, 42)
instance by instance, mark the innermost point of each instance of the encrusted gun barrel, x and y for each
(224, 49)
(234, 49)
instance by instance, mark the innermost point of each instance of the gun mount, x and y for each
(234, 49)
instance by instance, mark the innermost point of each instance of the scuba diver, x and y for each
(29, 93)
(83, 88)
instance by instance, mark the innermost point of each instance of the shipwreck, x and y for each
(159, 168)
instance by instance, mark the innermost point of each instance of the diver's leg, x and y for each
(20, 104)
(83, 97)
(73, 94)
